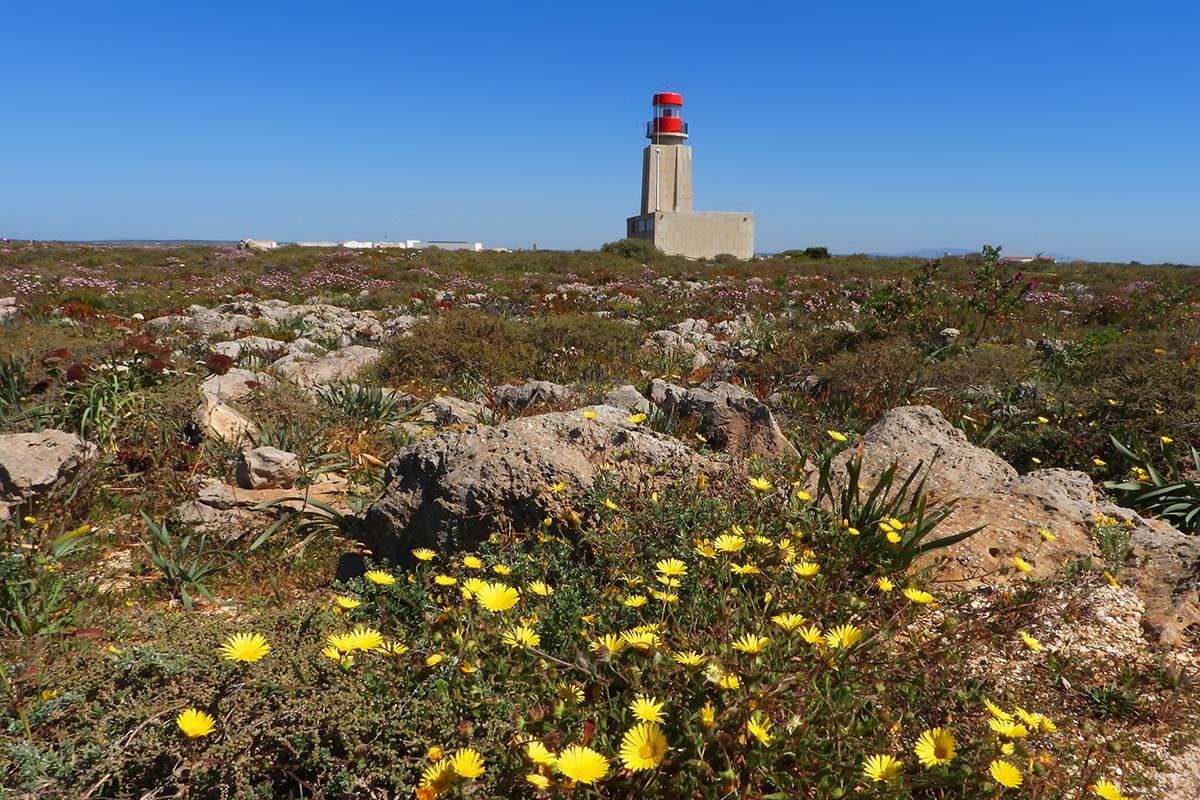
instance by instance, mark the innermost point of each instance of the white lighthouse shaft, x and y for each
(666, 178)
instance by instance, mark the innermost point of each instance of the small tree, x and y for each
(996, 290)
(636, 249)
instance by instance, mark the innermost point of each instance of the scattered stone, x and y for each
(267, 468)
(229, 512)
(8, 310)
(453, 488)
(34, 464)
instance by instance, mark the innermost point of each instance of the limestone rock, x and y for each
(236, 384)
(8, 310)
(32, 464)
(627, 397)
(1163, 566)
(731, 418)
(452, 488)
(267, 468)
(308, 370)
(531, 394)
(223, 421)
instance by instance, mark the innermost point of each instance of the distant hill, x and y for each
(938, 252)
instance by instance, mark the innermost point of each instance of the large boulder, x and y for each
(731, 419)
(34, 464)
(1163, 566)
(453, 488)
(308, 370)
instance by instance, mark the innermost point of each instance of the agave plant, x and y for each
(365, 403)
(1172, 498)
(906, 502)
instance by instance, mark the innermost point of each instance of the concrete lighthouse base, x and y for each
(696, 234)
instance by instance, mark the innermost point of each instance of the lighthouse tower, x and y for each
(666, 217)
(667, 161)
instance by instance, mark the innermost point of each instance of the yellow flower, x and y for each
(935, 746)
(996, 711)
(885, 584)
(837, 436)
(501, 569)
(1008, 729)
(361, 638)
(195, 723)
(751, 644)
(1036, 721)
(538, 753)
(643, 747)
(1107, 790)
(346, 603)
(690, 658)
(1046, 535)
(636, 419)
(803, 496)
(434, 754)
(1035, 459)
(882, 768)
(245, 647)
(1021, 564)
(666, 597)
(1005, 774)
(641, 638)
(1166, 440)
(423, 554)
(379, 577)
(1043, 421)
(760, 484)
(806, 568)
(853, 531)
(472, 562)
(893, 537)
(917, 596)
(570, 691)
(522, 636)
(1099, 462)
(812, 634)
(749, 568)
(444, 580)
(729, 680)
(704, 548)
(395, 648)
(538, 780)
(434, 659)
(729, 543)
(635, 600)
(708, 714)
(760, 727)
(438, 778)
(558, 488)
(610, 505)
(789, 622)
(671, 568)
(611, 642)
(843, 636)
(647, 709)
(589, 414)
(582, 764)
(1030, 642)
(497, 597)
(471, 587)
(467, 763)
(541, 588)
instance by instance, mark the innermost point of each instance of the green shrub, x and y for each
(635, 249)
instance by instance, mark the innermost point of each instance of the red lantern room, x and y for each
(668, 126)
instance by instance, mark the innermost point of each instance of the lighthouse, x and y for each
(667, 217)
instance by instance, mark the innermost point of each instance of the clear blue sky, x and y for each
(865, 127)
